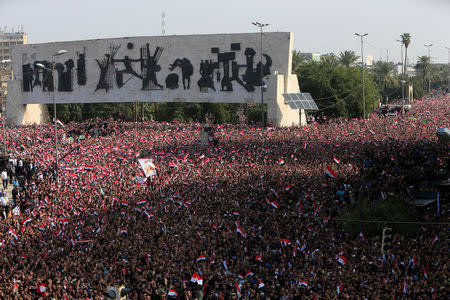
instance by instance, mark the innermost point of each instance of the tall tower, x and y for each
(163, 28)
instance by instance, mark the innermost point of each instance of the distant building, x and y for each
(8, 39)
(398, 69)
(312, 56)
(369, 60)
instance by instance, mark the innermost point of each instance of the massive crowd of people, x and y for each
(250, 217)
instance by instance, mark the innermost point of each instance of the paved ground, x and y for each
(8, 191)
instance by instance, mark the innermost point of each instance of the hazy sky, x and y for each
(319, 25)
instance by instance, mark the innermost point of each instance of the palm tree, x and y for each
(330, 60)
(423, 67)
(298, 59)
(383, 75)
(406, 40)
(347, 58)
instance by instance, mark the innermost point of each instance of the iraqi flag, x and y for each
(41, 289)
(238, 290)
(425, 274)
(331, 173)
(259, 258)
(27, 220)
(342, 260)
(288, 187)
(404, 291)
(434, 240)
(13, 234)
(285, 242)
(59, 123)
(303, 283)
(172, 293)
(362, 236)
(201, 257)
(336, 160)
(261, 284)
(241, 231)
(197, 279)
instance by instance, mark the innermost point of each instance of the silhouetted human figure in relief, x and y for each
(127, 62)
(187, 69)
(206, 72)
(149, 65)
(103, 65)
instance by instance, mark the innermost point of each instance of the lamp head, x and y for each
(60, 52)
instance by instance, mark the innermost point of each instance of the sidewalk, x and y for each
(8, 191)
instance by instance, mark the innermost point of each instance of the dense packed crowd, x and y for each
(250, 217)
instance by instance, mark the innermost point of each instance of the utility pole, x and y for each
(429, 58)
(60, 52)
(448, 66)
(362, 66)
(401, 54)
(261, 26)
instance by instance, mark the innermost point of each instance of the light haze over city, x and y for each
(321, 26)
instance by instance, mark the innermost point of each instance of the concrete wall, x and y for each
(196, 48)
(20, 114)
(243, 88)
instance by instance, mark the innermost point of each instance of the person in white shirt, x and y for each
(5, 179)
(3, 204)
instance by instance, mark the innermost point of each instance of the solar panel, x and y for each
(301, 96)
(300, 101)
(308, 105)
(307, 96)
(313, 105)
(287, 97)
(292, 105)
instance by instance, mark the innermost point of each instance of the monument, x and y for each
(217, 68)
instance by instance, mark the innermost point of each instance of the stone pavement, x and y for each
(8, 191)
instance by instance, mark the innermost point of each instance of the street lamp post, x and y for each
(448, 66)
(403, 90)
(60, 52)
(362, 66)
(429, 58)
(261, 26)
(401, 52)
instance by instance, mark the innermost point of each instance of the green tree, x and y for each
(330, 60)
(383, 76)
(406, 40)
(298, 59)
(337, 88)
(347, 58)
(423, 67)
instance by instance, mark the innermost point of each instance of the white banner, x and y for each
(148, 167)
